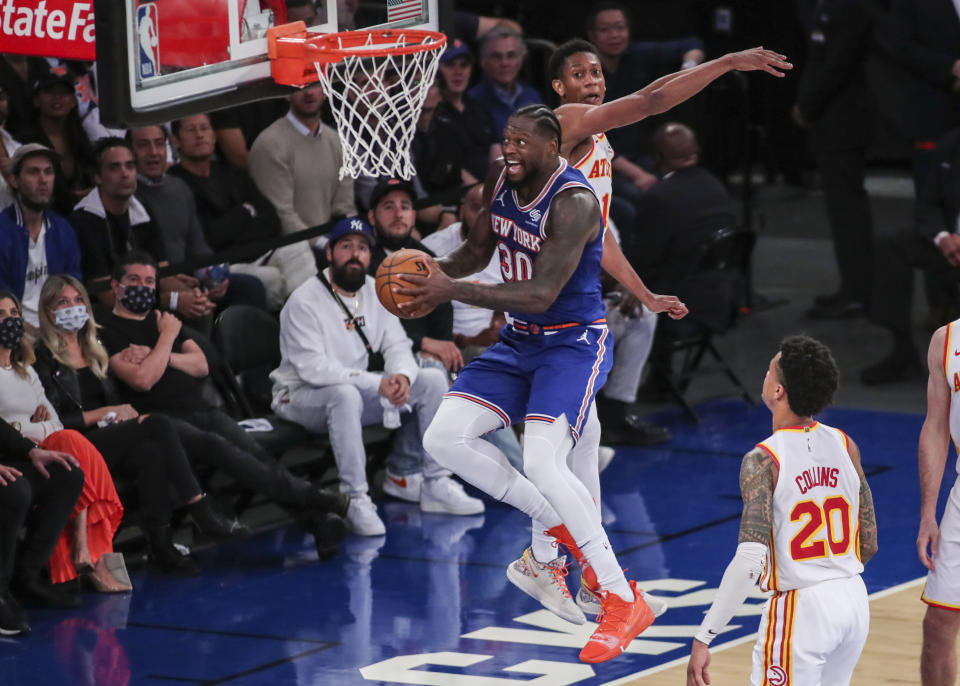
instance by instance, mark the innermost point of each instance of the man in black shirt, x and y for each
(110, 221)
(161, 370)
(38, 488)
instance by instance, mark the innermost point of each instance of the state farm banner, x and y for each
(53, 28)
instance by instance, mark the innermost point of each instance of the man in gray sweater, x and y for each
(295, 162)
(170, 203)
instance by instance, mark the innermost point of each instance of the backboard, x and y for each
(159, 60)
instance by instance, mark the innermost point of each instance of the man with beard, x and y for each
(347, 363)
(34, 240)
(392, 216)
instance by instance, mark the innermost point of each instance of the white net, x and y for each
(376, 101)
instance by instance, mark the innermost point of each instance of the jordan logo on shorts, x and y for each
(583, 337)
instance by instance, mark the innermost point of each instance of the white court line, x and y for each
(751, 638)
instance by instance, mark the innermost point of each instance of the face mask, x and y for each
(72, 318)
(139, 299)
(11, 331)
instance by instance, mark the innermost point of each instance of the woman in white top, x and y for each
(86, 543)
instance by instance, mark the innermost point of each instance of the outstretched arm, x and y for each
(580, 121)
(574, 219)
(933, 448)
(615, 264)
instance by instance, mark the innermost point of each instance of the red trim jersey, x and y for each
(816, 509)
(951, 368)
(597, 167)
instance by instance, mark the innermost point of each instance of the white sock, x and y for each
(542, 544)
(610, 576)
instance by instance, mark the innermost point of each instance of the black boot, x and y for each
(209, 522)
(33, 591)
(324, 500)
(164, 555)
(328, 530)
(13, 620)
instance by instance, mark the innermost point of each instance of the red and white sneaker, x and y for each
(619, 623)
(546, 583)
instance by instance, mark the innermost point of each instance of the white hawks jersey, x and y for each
(597, 167)
(816, 509)
(951, 367)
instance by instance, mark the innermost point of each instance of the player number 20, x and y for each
(514, 265)
(825, 526)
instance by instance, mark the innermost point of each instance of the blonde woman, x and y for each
(98, 512)
(72, 366)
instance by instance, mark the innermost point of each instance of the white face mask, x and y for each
(72, 318)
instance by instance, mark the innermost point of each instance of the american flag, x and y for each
(398, 10)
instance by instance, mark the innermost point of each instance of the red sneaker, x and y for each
(620, 622)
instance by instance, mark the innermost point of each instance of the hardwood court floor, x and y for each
(891, 656)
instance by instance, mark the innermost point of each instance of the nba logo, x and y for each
(148, 40)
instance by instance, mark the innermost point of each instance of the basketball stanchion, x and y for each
(375, 80)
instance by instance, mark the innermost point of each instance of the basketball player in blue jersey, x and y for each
(545, 222)
(584, 118)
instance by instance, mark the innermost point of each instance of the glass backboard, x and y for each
(162, 59)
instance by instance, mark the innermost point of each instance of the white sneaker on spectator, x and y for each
(446, 496)
(545, 583)
(362, 517)
(405, 487)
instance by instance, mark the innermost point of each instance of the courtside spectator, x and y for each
(231, 208)
(170, 203)
(38, 488)
(502, 52)
(329, 380)
(479, 138)
(58, 127)
(295, 163)
(628, 66)
(35, 241)
(8, 146)
(110, 222)
(160, 369)
(393, 217)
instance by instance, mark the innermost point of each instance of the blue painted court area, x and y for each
(430, 603)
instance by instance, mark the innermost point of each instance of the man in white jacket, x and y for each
(326, 381)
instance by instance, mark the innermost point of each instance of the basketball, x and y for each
(403, 261)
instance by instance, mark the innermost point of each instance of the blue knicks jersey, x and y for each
(520, 235)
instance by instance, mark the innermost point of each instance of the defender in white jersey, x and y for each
(939, 546)
(584, 117)
(807, 529)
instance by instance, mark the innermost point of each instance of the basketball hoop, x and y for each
(376, 81)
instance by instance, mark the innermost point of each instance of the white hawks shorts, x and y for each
(943, 584)
(812, 636)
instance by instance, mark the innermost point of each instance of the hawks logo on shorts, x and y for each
(776, 676)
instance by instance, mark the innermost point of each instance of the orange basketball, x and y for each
(403, 261)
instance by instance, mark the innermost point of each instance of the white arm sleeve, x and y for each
(741, 575)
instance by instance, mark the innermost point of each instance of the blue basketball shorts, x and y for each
(537, 377)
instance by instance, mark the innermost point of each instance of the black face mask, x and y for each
(11, 332)
(139, 299)
(350, 280)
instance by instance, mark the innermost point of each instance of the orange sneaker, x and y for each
(620, 622)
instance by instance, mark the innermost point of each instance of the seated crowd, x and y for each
(111, 279)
